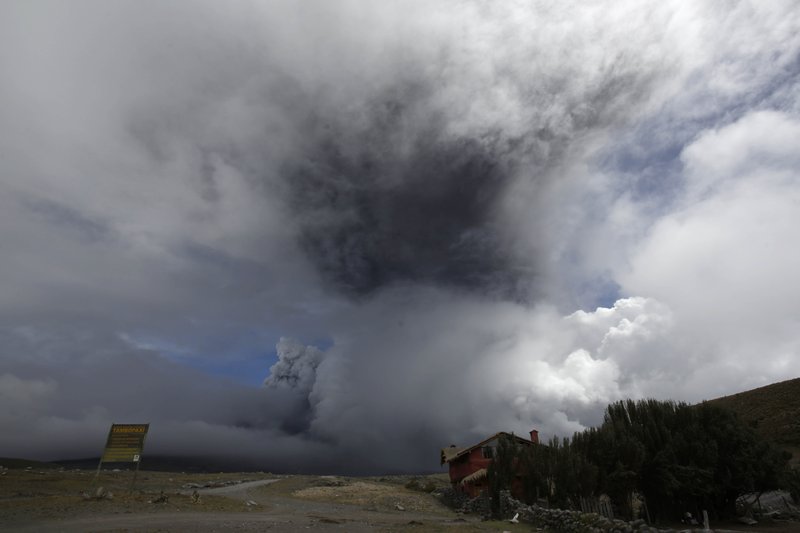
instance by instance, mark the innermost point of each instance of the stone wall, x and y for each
(560, 520)
(566, 521)
(479, 505)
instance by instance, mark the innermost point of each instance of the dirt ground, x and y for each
(33, 500)
(53, 500)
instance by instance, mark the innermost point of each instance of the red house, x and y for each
(468, 466)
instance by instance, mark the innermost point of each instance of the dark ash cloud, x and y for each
(399, 202)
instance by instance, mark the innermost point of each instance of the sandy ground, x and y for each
(32, 500)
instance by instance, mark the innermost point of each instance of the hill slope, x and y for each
(12, 462)
(773, 411)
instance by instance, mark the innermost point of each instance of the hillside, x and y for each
(11, 462)
(773, 411)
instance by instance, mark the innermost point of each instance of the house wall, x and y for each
(474, 461)
(474, 489)
(468, 464)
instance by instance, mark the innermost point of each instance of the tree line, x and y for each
(658, 459)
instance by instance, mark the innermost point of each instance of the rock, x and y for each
(100, 494)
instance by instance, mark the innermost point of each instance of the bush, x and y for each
(413, 484)
(792, 483)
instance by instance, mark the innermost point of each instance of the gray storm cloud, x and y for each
(497, 216)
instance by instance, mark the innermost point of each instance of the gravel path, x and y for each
(234, 490)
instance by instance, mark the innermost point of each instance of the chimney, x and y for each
(534, 436)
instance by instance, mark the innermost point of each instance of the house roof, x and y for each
(452, 453)
(475, 476)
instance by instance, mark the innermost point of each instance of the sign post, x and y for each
(124, 444)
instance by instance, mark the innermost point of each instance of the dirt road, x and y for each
(237, 489)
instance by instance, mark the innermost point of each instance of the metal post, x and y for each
(97, 474)
(135, 473)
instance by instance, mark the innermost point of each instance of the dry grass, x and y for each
(29, 498)
(52, 493)
(373, 495)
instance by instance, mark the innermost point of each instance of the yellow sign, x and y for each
(125, 443)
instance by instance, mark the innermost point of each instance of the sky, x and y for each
(337, 236)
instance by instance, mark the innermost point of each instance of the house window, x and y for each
(488, 452)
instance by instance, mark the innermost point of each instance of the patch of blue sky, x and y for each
(247, 365)
(647, 155)
(647, 168)
(600, 292)
(592, 291)
(236, 361)
(244, 369)
(244, 359)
